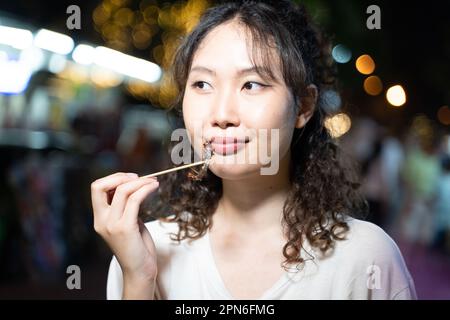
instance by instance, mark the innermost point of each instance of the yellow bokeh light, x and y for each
(74, 73)
(164, 18)
(105, 78)
(123, 17)
(338, 125)
(373, 85)
(101, 14)
(422, 128)
(158, 53)
(119, 3)
(365, 64)
(126, 24)
(140, 89)
(167, 91)
(396, 96)
(151, 14)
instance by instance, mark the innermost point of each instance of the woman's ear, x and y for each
(307, 106)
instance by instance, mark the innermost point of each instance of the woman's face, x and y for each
(230, 105)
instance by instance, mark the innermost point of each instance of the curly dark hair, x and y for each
(323, 191)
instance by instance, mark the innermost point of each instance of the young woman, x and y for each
(250, 67)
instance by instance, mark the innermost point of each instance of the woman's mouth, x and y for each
(227, 145)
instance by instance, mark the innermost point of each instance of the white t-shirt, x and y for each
(368, 265)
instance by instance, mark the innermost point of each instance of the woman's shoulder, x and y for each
(369, 257)
(368, 239)
(366, 243)
(364, 246)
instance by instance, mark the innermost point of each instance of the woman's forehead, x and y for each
(221, 41)
(232, 45)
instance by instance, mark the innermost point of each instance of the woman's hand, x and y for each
(115, 201)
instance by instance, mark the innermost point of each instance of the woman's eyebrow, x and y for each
(203, 69)
(266, 74)
(246, 71)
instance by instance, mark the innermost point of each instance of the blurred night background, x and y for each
(72, 110)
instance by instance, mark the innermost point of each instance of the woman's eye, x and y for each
(252, 85)
(200, 85)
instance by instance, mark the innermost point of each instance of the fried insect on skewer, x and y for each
(207, 155)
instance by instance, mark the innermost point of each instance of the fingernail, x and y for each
(132, 175)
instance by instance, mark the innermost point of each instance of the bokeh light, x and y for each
(83, 54)
(105, 78)
(373, 85)
(443, 115)
(341, 54)
(338, 125)
(396, 96)
(365, 64)
(331, 101)
(422, 128)
(127, 25)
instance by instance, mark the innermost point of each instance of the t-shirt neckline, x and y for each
(214, 272)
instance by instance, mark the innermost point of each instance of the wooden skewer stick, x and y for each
(174, 169)
(207, 153)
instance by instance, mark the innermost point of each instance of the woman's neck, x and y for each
(254, 204)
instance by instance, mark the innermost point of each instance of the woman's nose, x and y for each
(224, 112)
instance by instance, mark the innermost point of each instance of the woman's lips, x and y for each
(227, 148)
(227, 145)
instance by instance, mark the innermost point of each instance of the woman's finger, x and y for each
(122, 193)
(101, 187)
(130, 214)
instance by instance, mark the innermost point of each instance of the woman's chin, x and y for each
(234, 171)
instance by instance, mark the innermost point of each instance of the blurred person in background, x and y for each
(381, 185)
(420, 176)
(392, 159)
(375, 185)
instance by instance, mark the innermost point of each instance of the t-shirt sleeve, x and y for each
(114, 284)
(375, 267)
